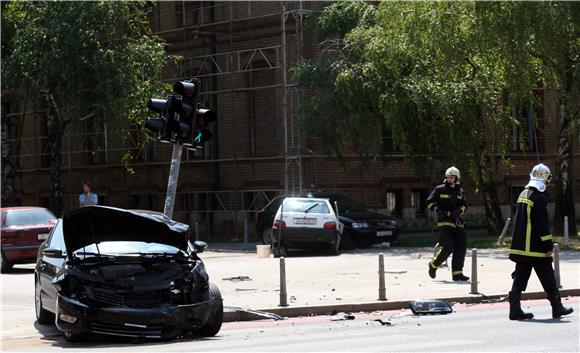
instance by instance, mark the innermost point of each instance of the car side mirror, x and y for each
(199, 246)
(53, 253)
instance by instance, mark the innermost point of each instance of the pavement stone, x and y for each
(319, 283)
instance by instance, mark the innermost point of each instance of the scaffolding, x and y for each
(243, 52)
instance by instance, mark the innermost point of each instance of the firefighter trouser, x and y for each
(543, 270)
(451, 240)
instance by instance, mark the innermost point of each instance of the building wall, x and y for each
(244, 167)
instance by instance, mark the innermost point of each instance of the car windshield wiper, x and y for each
(90, 253)
(311, 207)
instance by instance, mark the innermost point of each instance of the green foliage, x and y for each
(93, 57)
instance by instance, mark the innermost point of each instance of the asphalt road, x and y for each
(483, 327)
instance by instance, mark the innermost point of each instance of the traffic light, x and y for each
(184, 119)
(201, 132)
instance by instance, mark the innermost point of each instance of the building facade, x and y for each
(244, 51)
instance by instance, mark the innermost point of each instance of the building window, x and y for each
(144, 201)
(418, 202)
(524, 130)
(394, 202)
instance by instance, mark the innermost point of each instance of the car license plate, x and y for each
(384, 233)
(304, 220)
(42, 236)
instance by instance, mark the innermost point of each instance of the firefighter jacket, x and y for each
(448, 201)
(532, 237)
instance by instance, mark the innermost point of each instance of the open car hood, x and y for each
(95, 224)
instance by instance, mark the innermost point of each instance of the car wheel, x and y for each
(5, 265)
(214, 323)
(43, 316)
(267, 236)
(346, 242)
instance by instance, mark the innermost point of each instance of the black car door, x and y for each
(48, 267)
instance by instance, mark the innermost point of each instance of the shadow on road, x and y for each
(50, 334)
(19, 271)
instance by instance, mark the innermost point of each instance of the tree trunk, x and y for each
(565, 171)
(488, 189)
(55, 134)
(8, 194)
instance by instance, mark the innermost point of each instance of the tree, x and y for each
(444, 77)
(81, 59)
(540, 42)
(415, 67)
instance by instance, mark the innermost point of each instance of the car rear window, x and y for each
(305, 205)
(28, 217)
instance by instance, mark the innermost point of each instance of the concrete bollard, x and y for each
(566, 232)
(557, 264)
(245, 230)
(382, 289)
(474, 271)
(196, 231)
(283, 294)
(503, 232)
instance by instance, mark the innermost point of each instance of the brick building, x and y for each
(243, 51)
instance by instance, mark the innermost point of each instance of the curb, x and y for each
(331, 309)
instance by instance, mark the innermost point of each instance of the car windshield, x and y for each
(305, 206)
(128, 248)
(346, 205)
(28, 217)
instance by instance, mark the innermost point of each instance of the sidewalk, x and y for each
(318, 283)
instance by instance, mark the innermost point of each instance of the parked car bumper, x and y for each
(306, 237)
(160, 322)
(373, 236)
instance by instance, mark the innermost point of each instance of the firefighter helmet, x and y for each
(453, 171)
(540, 177)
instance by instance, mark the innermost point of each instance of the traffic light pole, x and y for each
(172, 182)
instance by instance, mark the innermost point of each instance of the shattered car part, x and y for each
(127, 273)
(430, 306)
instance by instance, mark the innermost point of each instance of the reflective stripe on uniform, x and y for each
(528, 253)
(526, 201)
(445, 196)
(431, 204)
(529, 229)
(443, 224)
(546, 237)
(457, 273)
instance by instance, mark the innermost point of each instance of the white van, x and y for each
(306, 223)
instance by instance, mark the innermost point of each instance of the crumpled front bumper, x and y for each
(159, 322)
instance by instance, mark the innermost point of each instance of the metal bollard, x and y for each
(382, 289)
(557, 264)
(474, 272)
(245, 230)
(283, 294)
(503, 232)
(566, 232)
(196, 231)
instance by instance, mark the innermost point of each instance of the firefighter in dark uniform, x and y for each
(448, 201)
(532, 246)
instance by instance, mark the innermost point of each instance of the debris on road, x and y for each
(347, 316)
(384, 323)
(237, 278)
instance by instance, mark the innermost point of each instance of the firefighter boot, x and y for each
(516, 312)
(558, 309)
(432, 270)
(459, 277)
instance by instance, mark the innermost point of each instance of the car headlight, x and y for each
(360, 225)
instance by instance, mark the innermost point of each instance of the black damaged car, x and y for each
(128, 273)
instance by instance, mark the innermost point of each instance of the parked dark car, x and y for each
(23, 230)
(361, 226)
(128, 273)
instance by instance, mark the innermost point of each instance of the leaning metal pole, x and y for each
(172, 182)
